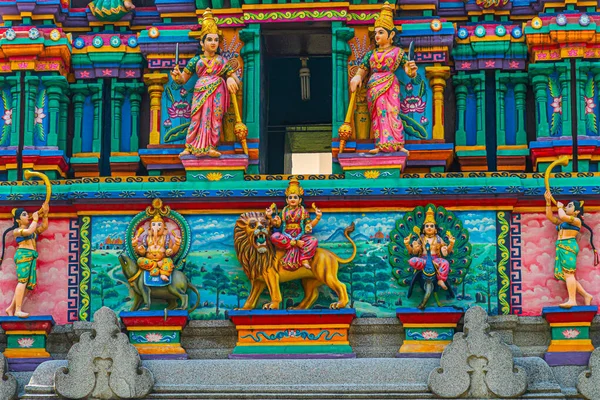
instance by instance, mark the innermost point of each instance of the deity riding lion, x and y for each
(261, 262)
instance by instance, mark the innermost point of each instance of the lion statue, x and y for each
(261, 263)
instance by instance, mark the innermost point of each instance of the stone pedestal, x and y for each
(156, 334)
(293, 333)
(427, 332)
(225, 168)
(429, 157)
(162, 159)
(124, 164)
(570, 342)
(26, 340)
(548, 149)
(372, 166)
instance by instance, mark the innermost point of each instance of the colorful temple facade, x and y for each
(413, 174)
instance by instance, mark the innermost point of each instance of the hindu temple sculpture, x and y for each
(568, 225)
(211, 92)
(26, 228)
(159, 242)
(383, 87)
(110, 10)
(431, 247)
(269, 258)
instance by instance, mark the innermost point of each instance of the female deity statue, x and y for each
(296, 226)
(211, 92)
(383, 88)
(431, 244)
(26, 229)
(568, 224)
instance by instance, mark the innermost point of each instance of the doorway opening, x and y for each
(297, 68)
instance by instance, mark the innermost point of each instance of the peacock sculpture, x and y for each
(431, 247)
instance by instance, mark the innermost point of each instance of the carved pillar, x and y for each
(118, 95)
(540, 85)
(79, 94)
(461, 92)
(437, 76)
(15, 91)
(520, 105)
(55, 85)
(155, 82)
(97, 102)
(480, 97)
(135, 100)
(340, 51)
(31, 93)
(252, 69)
(564, 80)
(63, 122)
(582, 78)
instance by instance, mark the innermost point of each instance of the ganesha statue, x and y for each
(159, 240)
(275, 247)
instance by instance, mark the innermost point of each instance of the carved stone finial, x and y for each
(477, 364)
(8, 383)
(103, 365)
(589, 380)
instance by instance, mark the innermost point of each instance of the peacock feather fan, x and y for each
(448, 225)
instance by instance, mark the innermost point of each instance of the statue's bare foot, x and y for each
(213, 153)
(21, 314)
(184, 153)
(588, 299)
(402, 149)
(164, 278)
(128, 5)
(568, 304)
(306, 265)
(374, 151)
(442, 284)
(10, 312)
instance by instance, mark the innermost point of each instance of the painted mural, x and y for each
(213, 267)
(56, 292)
(539, 286)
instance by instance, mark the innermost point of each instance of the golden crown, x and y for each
(156, 210)
(429, 217)
(294, 188)
(386, 17)
(209, 25)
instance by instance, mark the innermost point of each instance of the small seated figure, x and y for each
(110, 10)
(156, 247)
(431, 244)
(296, 226)
(568, 225)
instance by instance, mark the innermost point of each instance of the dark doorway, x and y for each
(294, 124)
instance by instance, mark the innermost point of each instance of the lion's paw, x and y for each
(271, 306)
(335, 306)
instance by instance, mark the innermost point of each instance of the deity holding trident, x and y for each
(568, 224)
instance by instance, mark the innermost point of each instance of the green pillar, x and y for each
(135, 100)
(500, 109)
(31, 94)
(539, 79)
(461, 91)
(479, 86)
(80, 92)
(340, 53)
(55, 85)
(63, 122)
(581, 71)
(96, 90)
(117, 98)
(564, 80)
(251, 55)
(15, 91)
(520, 105)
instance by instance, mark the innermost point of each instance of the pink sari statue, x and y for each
(383, 97)
(296, 226)
(209, 103)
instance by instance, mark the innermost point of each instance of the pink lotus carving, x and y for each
(571, 333)
(412, 104)
(7, 117)
(180, 109)
(25, 342)
(429, 335)
(154, 337)
(39, 115)
(589, 105)
(556, 105)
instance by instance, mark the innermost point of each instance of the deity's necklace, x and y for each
(210, 63)
(379, 60)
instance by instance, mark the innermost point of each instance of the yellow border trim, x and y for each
(154, 328)
(295, 6)
(26, 333)
(340, 343)
(279, 327)
(449, 325)
(560, 324)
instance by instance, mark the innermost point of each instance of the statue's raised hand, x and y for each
(177, 75)
(355, 83)
(232, 85)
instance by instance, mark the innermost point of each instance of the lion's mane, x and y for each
(253, 262)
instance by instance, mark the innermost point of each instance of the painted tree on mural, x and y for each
(238, 287)
(217, 282)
